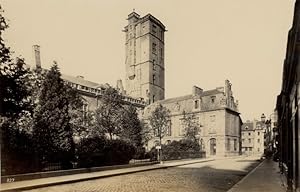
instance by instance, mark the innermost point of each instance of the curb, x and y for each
(244, 178)
(97, 177)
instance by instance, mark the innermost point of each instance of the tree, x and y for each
(191, 126)
(83, 124)
(131, 126)
(159, 122)
(52, 130)
(108, 114)
(15, 109)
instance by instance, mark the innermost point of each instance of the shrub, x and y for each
(178, 150)
(97, 151)
(140, 153)
(90, 152)
(18, 155)
(118, 152)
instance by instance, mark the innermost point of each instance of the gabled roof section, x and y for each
(247, 126)
(80, 81)
(176, 99)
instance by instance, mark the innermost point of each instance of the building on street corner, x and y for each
(288, 107)
(216, 113)
(257, 137)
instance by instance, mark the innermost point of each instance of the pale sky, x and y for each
(206, 42)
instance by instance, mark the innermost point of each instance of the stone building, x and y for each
(253, 133)
(288, 107)
(217, 115)
(215, 110)
(90, 91)
(145, 66)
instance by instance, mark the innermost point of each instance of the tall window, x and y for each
(196, 104)
(84, 113)
(228, 144)
(153, 78)
(213, 98)
(154, 66)
(258, 140)
(154, 29)
(249, 140)
(153, 47)
(235, 144)
(169, 129)
(153, 98)
(258, 133)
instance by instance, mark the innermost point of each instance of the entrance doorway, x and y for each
(213, 147)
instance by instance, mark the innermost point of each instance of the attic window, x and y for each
(213, 98)
(196, 104)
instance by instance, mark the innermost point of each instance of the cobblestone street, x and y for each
(218, 175)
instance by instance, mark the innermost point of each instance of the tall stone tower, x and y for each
(145, 66)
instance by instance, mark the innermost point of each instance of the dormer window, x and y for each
(196, 104)
(213, 98)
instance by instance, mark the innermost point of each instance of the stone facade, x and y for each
(145, 65)
(90, 91)
(253, 134)
(217, 115)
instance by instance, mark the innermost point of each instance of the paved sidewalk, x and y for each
(50, 181)
(264, 178)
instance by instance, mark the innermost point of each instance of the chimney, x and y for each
(197, 90)
(37, 56)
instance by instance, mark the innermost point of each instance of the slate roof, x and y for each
(186, 97)
(81, 81)
(176, 99)
(211, 92)
(247, 126)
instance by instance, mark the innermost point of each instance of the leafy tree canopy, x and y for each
(159, 121)
(108, 114)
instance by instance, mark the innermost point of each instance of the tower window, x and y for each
(153, 79)
(153, 98)
(154, 47)
(154, 29)
(154, 66)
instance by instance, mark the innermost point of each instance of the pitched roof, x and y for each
(211, 92)
(248, 126)
(186, 97)
(81, 81)
(176, 99)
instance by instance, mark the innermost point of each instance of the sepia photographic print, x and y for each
(150, 96)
